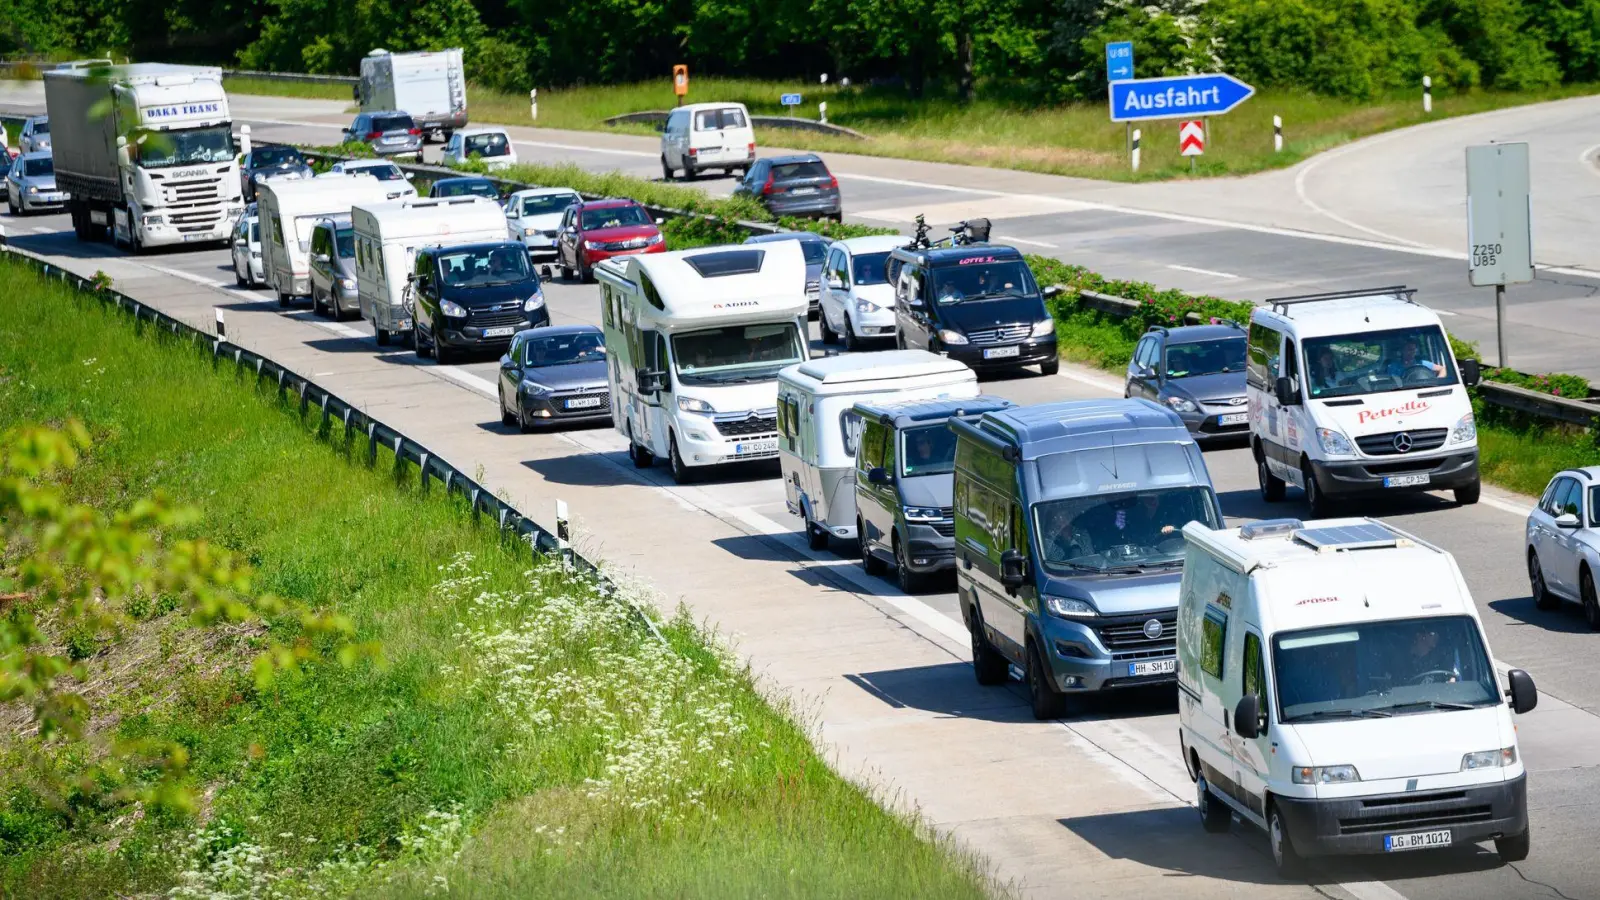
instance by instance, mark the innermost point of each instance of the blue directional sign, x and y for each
(1119, 61)
(1180, 96)
(789, 99)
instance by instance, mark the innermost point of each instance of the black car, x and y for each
(798, 185)
(555, 374)
(1197, 371)
(465, 186)
(473, 297)
(815, 248)
(976, 303)
(270, 161)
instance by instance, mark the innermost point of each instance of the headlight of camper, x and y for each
(694, 405)
(1182, 404)
(1325, 775)
(923, 513)
(951, 336)
(452, 310)
(1490, 759)
(534, 302)
(1465, 430)
(1068, 608)
(1044, 328)
(1333, 443)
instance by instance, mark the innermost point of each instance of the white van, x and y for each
(695, 340)
(388, 235)
(704, 136)
(1336, 689)
(818, 429)
(289, 210)
(1358, 392)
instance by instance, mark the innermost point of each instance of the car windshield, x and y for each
(1205, 358)
(1381, 668)
(564, 349)
(164, 149)
(1125, 530)
(477, 187)
(344, 240)
(275, 156)
(868, 268)
(1378, 361)
(796, 170)
(737, 353)
(927, 450)
(41, 126)
(494, 144)
(614, 217)
(45, 166)
(547, 204)
(380, 171)
(392, 123)
(979, 279)
(485, 266)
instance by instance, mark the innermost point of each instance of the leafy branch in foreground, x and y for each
(84, 571)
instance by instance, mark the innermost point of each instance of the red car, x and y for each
(600, 229)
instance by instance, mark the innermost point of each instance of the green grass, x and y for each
(236, 84)
(525, 738)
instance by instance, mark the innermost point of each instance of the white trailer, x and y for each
(289, 210)
(388, 235)
(429, 85)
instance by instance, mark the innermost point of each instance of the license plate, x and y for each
(1001, 352)
(804, 191)
(1405, 480)
(1417, 840)
(499, 332)
(394, 140)
(753, 448)
(197, 237)
(1152, 667)
(583, 402)
(1233, 418)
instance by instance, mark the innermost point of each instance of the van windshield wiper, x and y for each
(1344, 714)
(1432, 704)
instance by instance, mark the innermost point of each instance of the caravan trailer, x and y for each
(289, 210)
(388, 235)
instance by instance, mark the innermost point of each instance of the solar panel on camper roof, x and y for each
(1364, 536)
(728, 262)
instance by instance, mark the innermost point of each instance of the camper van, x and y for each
(1358, 392)
(1336, 689)
(818, 427)
(388, 235)
(1069, 524)
(289, 211)
(696, 339)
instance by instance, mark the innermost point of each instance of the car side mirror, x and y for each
(506, 362)
(660, 221)
(1524, 696)
(1285, 391)
(651, 381)
(1567, 520)
(1053, 291)
(1471, 372)
(321, 258)
(1013, 569)
(1247, 717)
(239, 242)
(409, 175)
(836, 284)
(879, 475)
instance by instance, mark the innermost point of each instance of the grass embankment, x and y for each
(526, 738)
(271, 87)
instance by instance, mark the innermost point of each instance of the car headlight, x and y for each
(653, 240)
(1325, 775)
(1490, 759)
(951, 336)
(694, 405)
(923, 513)
(452, 310)
(1182, 404)
(1068, 608)
(348, 284)
(530, 232)
(1044, 328)
(534, 302)
(534, 387)
(33, 189)
(1333, 443)
(1465, 430)
(152, 220)
(867, 307)
(594, 245)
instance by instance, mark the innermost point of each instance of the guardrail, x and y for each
(12, 68)
(659, 116)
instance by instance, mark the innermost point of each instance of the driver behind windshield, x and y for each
(1425, 657)
(1146, 521)
(1407, 360)
(503, 265)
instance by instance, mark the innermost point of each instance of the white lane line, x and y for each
(40, 229)
(186, 276)
(1371, 890)
(468, 380)
(1583, 159)
(1211, 272)
(1017, 240)
(1300, 191)
(607, 150)
(1441, 312)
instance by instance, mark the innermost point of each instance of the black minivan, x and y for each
(473, 297)
(976, 303)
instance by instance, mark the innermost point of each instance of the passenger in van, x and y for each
(1408, 360)
(1065, 542)
(1325, 374)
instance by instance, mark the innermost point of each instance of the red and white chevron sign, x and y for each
(1192, 138)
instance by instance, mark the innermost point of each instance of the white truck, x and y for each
(146, 152)
(429, 85)
(388, 235)
(289, 211)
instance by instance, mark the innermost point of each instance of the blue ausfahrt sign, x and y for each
(1119, 60)
(1180, 96)
(789, 99)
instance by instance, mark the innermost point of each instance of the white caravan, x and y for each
(431, 85)
(1358, 392)
(388, 235)
(1335, 688)
(695, 340)
(289, 210)
(818, 429)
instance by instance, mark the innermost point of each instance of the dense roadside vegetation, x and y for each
(521, 736)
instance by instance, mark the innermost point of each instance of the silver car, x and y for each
(333, 267)
(1563, 538)
(35, 136)
(391, 133)
(31, 184)
(398, 182)
(247, 250)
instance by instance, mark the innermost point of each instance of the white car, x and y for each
(534, 217)
(399, 182)
(491, 146)
(246, 240)
(857, 299)
(35, 137)
(1563, 535)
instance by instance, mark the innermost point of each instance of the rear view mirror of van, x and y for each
(1524, 696)
(1471, 372)
(1013, 569)
(879, 475)
(1247, 717)
(1285, 391)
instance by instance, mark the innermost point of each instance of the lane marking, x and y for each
(1300, 191)
(40, 229)
(186, 276)
(1016, 240)
(1441, 312)
(1198, 271)
(466, 379)
(1371, 890)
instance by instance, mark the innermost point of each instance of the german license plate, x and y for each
(1152, 667)
(197, 237)
(1417, 840)
(499, 332)
(756, 448)
(1405, 480)
(1233, 418)
(394, 140)
(1001, 352)
(583, 402)
(806, 190)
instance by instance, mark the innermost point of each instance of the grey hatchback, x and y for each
(1197, 371)
(798, 185)
(390, 133)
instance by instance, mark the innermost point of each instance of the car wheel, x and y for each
(506, 416)
(681, 474)
(238, 280)
(870, 563)
(382, 335)
(639, 455)
(1284, 855)
(1466, 496)
(910, 582)
(1591, 605)
(585, 272)
(424, 350)
(1272, 486)
(851, 342)
(566, 271)
(1050, 367)
(443, 355)
(829, 336)
(666, 170)
(1321, 506)
(1215, 816)
(1542, 598)
(988, 666)
(1047, 702)
(1514, 848)
(524, 423)
(284, 299)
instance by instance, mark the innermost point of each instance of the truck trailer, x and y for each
(429, 85)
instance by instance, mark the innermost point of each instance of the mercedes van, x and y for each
(1336, 689)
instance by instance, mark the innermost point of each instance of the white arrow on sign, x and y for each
(1192, 138)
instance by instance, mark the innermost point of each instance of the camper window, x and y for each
(736, 354)
(850, 430)
(927, 450)
(1121, 531)
(1254, 677)
(1378, 361)
(1213, 634)
(870, 454)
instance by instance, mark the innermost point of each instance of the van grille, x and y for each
(746, 424)
(1416, 813)
(1124, 636)
(497, 316)
(1005, 334)
(1421, 439)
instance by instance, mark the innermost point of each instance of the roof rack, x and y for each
(1586, 475)
(1156, 329)
(1281, 304)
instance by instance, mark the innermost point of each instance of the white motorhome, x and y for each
(289, 210)
(430, 85)
(1358, 392)
(1336, 689)
(818, 429)
(388, 235)
(695, 341)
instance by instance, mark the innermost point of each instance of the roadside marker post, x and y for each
(1499, 225)
(1427, 94)
(1119, 67)
(222, 329)
(680, 81)
(1135, 142)
(1192, 140)
(1277, 134)
(563, 531)
(824, 77)
(533, 104)
(822, 112)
